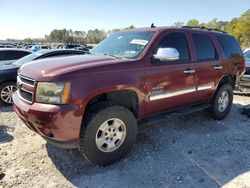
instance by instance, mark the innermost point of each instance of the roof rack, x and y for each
(203, 28)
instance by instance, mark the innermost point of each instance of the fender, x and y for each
(90, 95)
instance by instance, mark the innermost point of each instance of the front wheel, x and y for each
(222, 102)
(108, 133)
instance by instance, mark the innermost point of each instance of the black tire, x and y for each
(214, 111)
(2, 86)
(95, 116)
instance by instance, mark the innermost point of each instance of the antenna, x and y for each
(152, 25)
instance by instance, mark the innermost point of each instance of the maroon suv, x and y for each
(93, 102)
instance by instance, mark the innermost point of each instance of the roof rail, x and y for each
(203, 28)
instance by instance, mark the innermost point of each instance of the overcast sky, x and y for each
(20, 19)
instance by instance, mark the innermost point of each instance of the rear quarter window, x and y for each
(230, 47)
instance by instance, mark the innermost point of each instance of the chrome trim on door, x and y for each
(189, 71)
(171, 94)
(218, 67)
(205, 87)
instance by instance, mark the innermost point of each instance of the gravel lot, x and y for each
(186, 151)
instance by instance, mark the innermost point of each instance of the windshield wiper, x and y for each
(113, 56)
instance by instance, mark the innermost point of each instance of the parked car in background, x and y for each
(9, 55)
(245, 50)
(43, 47)
(8, 45)
(93, 102)
(85, 49)
(244, 85)
(71, 46)
(8, 72)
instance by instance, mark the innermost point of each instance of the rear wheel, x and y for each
(6, 91)
(222, 102)
(108, 133)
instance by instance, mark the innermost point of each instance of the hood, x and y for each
(46, 69)
(8, 66)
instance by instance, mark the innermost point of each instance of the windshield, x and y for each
(26, 59)
(247, 55)
(129, 45)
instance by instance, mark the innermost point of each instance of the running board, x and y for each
(180, 112)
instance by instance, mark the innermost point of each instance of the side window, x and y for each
(204, 47)
(21, 54)
(10, 55)
(178, 41)
(2, 56)
(230, 46)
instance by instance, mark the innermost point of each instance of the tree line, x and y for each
(239, 27)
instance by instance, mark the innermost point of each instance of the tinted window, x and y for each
(12, 55)
(20, 54)
(177, 41)
(204, 47)
(2, 56)
(9, 55)
(230, 46)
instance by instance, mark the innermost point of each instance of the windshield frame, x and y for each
(143, 51)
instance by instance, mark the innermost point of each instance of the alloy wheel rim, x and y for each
(110, 135)
(6, 93)
(223, 101)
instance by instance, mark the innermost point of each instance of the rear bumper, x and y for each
(245, 81)
(58, 124)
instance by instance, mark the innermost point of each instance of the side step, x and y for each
(188, 110)
(179, 112)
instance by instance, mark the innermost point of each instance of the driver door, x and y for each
(172, 83)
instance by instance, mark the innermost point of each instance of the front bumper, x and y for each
(58, 124)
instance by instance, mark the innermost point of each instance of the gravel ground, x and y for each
(186, 151)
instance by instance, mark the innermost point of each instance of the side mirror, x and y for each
(167, 54)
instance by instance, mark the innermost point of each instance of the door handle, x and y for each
(218, 67)
(189, 71)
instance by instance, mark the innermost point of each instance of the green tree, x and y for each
(179, 24)
(240, 28)
(193, 22)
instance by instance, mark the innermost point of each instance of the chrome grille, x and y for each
(25, 88)
(27, 81)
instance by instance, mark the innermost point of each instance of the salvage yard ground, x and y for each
(186, 151)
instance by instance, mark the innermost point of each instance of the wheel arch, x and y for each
(231, 79)
(127, 97)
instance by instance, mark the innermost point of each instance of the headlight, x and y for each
(53, 93)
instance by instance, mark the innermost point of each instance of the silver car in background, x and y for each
(244, 85)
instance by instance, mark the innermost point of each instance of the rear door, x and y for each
(170, 84)
(208, 67)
